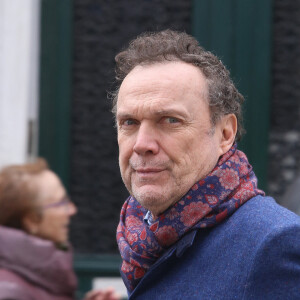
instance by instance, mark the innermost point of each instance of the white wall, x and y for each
(19, 48)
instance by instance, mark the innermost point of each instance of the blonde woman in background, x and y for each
(35, 256)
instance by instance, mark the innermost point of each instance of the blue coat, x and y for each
(254, 254)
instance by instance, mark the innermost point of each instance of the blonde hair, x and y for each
(18, 194)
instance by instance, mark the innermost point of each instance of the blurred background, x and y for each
(57, 65)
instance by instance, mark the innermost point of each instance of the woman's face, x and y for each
(56, 209)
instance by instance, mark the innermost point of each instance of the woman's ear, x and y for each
(228, 132)
(30, 223)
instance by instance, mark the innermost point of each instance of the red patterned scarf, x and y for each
(211, 200)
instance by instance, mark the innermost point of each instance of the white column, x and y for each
(19, 49)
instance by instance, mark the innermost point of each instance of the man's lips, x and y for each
(146, 174)
(148, 170)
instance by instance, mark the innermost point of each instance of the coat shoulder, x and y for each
(262, 216)
(274, 272)
(13, 286)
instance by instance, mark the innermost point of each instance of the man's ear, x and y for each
(228, 126)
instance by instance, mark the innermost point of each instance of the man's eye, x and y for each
(128, 122)
(172, 120)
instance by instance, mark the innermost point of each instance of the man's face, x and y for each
(166, 140)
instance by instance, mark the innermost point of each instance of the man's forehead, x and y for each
(158, 84)
(160, 106)
(170, 72)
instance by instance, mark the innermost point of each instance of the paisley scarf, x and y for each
(209, 201)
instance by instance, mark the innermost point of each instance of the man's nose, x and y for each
(146, 140)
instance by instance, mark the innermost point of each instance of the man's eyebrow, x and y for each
(124, 116)
(169, 112)
(159, 113)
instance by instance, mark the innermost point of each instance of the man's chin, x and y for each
(149, 196)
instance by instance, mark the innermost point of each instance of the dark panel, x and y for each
(101, 29)
(55, 85)
(239, 33)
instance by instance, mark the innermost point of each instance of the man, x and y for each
(195, 225)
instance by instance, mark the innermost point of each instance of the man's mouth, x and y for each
(148, 175)
(148, 170)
